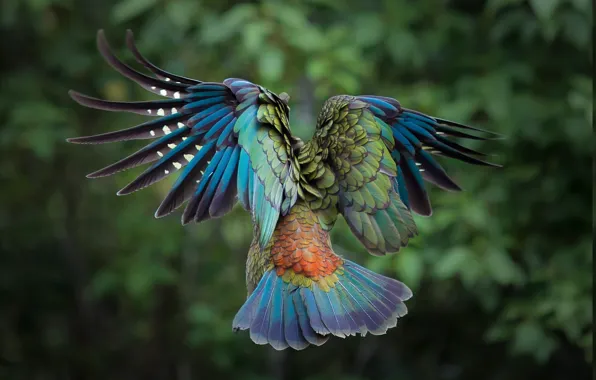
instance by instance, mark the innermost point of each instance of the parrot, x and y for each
(230, 142)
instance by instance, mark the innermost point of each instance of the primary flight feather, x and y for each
(231, 141)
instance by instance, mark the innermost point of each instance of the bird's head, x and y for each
(284, 97)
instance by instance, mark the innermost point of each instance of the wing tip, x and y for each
(189, 212)
(75, 95)
(163, 211)
(185, 220)
(96, 174)
(423, 210)
(125, 191)
(83, 100)
(83, 140)
(104, 172)
(101, 40)
(130, 41)
(454, 187)
(75, 140)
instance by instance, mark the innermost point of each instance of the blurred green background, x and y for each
(93, 287)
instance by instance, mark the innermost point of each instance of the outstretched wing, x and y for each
(369, 159)
(230, 141)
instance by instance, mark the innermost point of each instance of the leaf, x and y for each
(271, 64)
(182, 13)
(368, 30)
(231, 23)
(346, 82)
(410, 267)
(255, 35)
(317, 68)
(493, 6)
(582, 5)
(530, 338)
(289, 15)
(129, 9)
(452, 262)
(502, 268)
(544, 9)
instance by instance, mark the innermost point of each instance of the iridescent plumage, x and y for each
(367, 161)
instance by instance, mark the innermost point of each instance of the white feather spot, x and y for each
(152, 133)
(184, 138)
(171, 146)
(160, 112)
(153, 87)
(177, 165)
(421, 170)
(166, 171)
(174, 110)
(440, 133)
(418, 164)
(166, 129)
(177, 95)
(160, 154)
(168, 79)
(198, 147)
(149, 112)
(163, 92)
(189, 157)
(180, 125)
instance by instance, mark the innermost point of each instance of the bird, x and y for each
(231, 142)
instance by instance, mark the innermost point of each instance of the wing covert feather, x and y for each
(369, 158)
(230, 140)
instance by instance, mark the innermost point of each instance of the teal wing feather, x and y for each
(229, 140)
(418, 139)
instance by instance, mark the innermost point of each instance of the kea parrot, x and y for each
(231, 141)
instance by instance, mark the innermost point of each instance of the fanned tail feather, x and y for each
(285, 315)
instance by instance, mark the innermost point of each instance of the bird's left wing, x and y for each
(230, 141)
(369, 158)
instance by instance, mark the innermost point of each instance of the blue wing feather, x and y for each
(205, 203)
(238, 154)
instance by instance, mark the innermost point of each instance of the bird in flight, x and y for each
(367, 161)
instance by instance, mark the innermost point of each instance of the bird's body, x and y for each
(367, 162)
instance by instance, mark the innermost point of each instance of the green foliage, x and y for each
(92, 286)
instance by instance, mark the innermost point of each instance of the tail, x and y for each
(285, 315)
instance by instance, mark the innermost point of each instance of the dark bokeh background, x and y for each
(93, 287)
